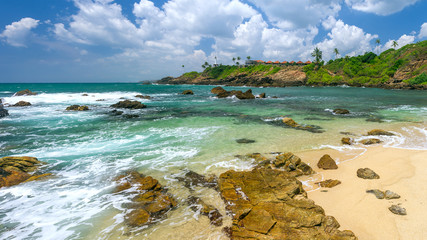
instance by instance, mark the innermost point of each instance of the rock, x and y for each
(129, 104)
(3, 112)
(341, 111)
(211, 212)
(25, 92)
(142, 96)
(187, 92)
(262, 95)
(271, 204)
(347, 140)
(150, 202)
(391, 195)
(85, 95)
(221, 93)
(326, 162)
(77, 108)
(370, 141)
(21, 104)
(100, 100)
(292, 163)
(245, 140)
(347, 133)
(378, 193)
(15, 170)
(218, 90)
(290, 122)
(376, 132)
(116, 113)
(192, 179)
(367, 173)
(396, 209)
(329, 183)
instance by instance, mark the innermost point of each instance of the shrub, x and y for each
(420, 79)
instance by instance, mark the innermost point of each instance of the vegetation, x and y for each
(317, 54)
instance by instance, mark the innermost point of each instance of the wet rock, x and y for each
(326, 162)
(100, 100)
(187, 92)
(376, 132)
(239, 94)
(329, 183)
(85, 95)
(3, 112)
(292, 163)
(245, 140)
(129, 104)
(196, 204)
(396, 209)
(262, 95)
(77, 108)
(15, 170)
(370, 141)
(218, 90)
(341, 111)
(21, 104)
(347, 133)
(192, 179)
(378, 193)
(271, 204)
(25, 92)
(367, 173)
(150, 203)
(129, 116)
(142, 96)
(374, 119)
(391, 195)
(290, 122)
(347, 140)
(116, 112)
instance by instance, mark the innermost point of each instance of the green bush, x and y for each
(420, 79)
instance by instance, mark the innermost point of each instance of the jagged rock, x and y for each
(150, 203)
(142, 96)
(290, 122)
(77, 108)
(370, 141)
(15, 170)
(192, 179)
(391, 195)
(396, 209)
(341, 111)
(196, 204)
(21, 104)
(245, 140)
(239, 94)
(129, 104)
(376, 132)
(218, 90)
(262, 95)
(271, 204)
(347, 140)
(326, 162)
(187, 92)
(378, 193)
(3, 112)
(329, 183)
(25, 92)
(292, 163)
(367, 173)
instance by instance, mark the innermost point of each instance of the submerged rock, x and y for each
(329, 183)
(15, 170)
(271, 204)
(25, 92)
(398, 210)
(367, 173)
(376, 132)
(289, 122)
(262, 95)
(187, 92)
(197, 204)
(370, 141)
(77, 108)
(326, 162)
(245, 140)
(192, 179)
(142, 96)
(129, 104)
(347, 140)
(341, 111)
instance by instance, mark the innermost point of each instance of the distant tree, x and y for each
(182, 66)
(336, 52)
(248, 57)
(317, 54)
(394, 44)
(234, 59)
(238, 58)
(237, 63)
(378, 42)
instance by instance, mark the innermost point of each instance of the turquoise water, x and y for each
(86, 150)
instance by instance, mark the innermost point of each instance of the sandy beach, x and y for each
(402, 171)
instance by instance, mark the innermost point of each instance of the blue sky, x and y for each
(136, 40)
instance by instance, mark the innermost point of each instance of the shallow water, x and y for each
(86, 150)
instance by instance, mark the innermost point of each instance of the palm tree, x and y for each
(234, 59)
(336, 52)
(394, 44)
(317, 54)
(248, 57)
(378, 42)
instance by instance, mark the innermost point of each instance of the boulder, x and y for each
(3, 112)
(367, 173)
(326, 162)
(370, 141)
(221, 93)
(398, 210)
(271, 204)
(245, 140)
(25, 92)
(77, 108)
(290, 122)
(129, 104)
(218, 90)
(197, 204)
(262, 95)
(292, 164)
(142, 96)
(347, 140)
(340, 111)
(15, 170)
(329, 183)
(378, 132)
(21, 104)
(187, 92)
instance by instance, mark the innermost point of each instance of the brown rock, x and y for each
(329, 183)
(137, 217)
(142, 96)
(215, 217)
(262, 95)
(326, 162)
(218, 90)
(290, 122)
(187, 92)
(370, 141)
(192, 179)
(341, 111)
(391, 195)
(129, 104)
(77, 108)
(378, 193)
(15, 170)
(347, 140)
(85, 95)
(258, 220)
(21, 104)
(376, 132)
(292, 163)
(367, 173)
(398, 210)
(25, 92)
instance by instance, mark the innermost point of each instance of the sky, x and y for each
(140, 40)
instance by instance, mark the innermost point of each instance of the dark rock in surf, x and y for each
(187, 92)
(77, 108)
(21, 104)
(245, 140)
(25, 92)
(196, 204)
(341, 111)
(129, 104)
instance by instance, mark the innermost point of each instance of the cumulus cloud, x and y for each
(380, 7)
(423, 31)
(16, 33)
(402, 41)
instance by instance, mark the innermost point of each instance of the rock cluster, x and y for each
(222, 93)
(271, 204)
(151, 201)
(77, 108)
(284, 161)
(15, 170)
(197, 204)
(25, 92)
(129, 104)
(192, 179)
(21, 104)
(381, 194)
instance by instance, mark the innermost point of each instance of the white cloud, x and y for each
(402, 41)
(380, 7)
(423, 31)
(16, 33)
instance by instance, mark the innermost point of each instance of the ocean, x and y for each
(86, 150)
